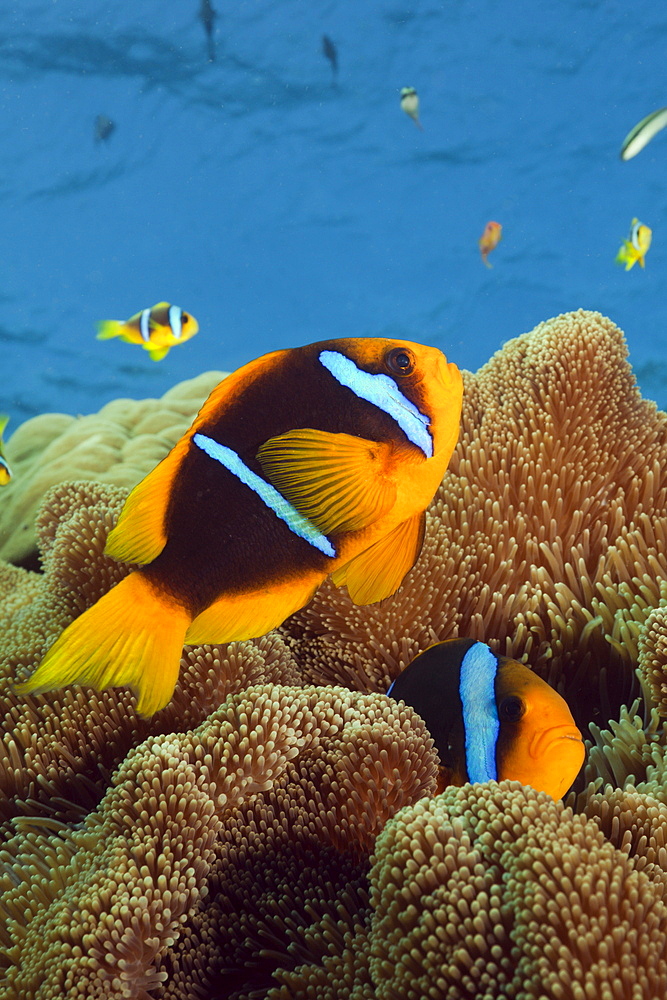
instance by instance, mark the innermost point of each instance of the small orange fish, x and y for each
(491, 718)
(306, 463)
(489, 240)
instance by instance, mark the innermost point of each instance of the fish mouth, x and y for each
(546, 740)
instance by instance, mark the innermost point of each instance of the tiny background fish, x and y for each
(157, 330)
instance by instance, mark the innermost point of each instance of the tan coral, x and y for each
(547, 539)
(92, 912)
(495, 890)
(118, 445)
(58, 750)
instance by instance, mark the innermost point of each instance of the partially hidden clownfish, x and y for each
(491, 718)
(305, 463)
(5, 471)
(157, 330)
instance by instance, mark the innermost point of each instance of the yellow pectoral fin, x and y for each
(139, 535)
(158, 353)
(131, 636)
(248, 616)
(379, 570)
(338, 481)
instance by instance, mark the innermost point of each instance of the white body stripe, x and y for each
(382, 391)
(274, 500)
(176, 320)
(480, 715)
(144, 325)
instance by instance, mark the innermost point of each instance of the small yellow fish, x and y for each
(489, 240)
(410, 104)
(156, 330)
(5, 471)
(636, 246)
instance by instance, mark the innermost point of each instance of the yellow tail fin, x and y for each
(108, 328)
(132, 636)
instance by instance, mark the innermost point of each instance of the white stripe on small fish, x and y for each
(176, 320)
(144, 325)
(274, 500)
(480, 714)
(382, 391)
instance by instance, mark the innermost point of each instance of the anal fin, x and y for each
(247, 616)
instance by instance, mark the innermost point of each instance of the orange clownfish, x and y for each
(491, 718)
(489, 240)
(156, 330)
(305, 463)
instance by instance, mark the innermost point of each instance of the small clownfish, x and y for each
(305, 463)
(156, 330)
(410, 104)
(5, 471)
(491, 718)
(489, 240)
(636, 246)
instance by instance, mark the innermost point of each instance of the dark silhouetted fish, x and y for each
(207, 16)
(103, 128)
(331, 53)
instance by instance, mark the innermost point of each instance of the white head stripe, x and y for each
(480, 714)
(274, 500)
(175, 320)
(382, 391)
(144, 324)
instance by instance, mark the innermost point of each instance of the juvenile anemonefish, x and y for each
(5, 471)
(156, 330)
(491, 718)
(305, 463)
(489, 240)
(410, 104)
(636, 246)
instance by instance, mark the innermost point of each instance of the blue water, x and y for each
(281, 207)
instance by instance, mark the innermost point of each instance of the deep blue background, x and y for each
(282, 209)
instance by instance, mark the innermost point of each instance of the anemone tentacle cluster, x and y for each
(275, 832)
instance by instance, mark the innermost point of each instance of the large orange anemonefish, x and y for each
(491, 717)
(306, 462)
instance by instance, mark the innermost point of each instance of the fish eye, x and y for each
(400, 362)
(512, 708)
(185, 317)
